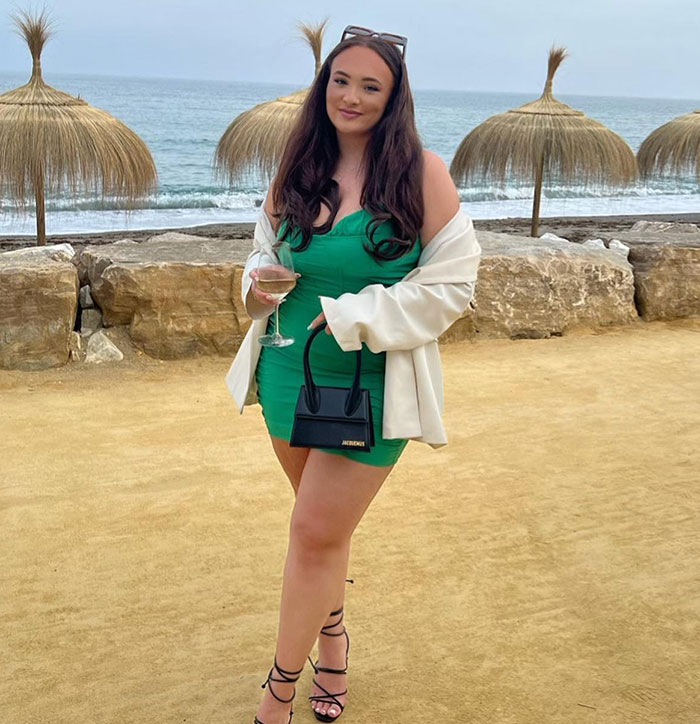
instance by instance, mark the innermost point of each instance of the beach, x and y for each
(540, 568)
(573, 228)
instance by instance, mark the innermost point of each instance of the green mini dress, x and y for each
(334, 263)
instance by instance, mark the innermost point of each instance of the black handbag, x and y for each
(333, 417)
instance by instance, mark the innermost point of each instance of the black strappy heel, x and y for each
(327, 696)
(287, 678)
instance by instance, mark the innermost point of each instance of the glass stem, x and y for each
(277, 320)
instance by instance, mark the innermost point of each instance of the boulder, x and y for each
(38, 306)
(90, 321)
(57, 252)
(660, 227)
(532, 288)
(666, 270)
(178, 294)
(86, 298)
(101, 349)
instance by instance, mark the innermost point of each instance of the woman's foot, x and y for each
(276, 704)
(333, 647)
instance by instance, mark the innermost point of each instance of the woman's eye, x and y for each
(372, 87)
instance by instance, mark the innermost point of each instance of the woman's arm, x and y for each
(423, 305)
(440, 197)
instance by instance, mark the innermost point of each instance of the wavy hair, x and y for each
(393, 163)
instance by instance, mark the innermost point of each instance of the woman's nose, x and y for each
(350, 96)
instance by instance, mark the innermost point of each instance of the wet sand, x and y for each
(542, 568)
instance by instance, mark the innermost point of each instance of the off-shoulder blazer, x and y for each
(404, 320)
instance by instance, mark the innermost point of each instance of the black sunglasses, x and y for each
(399, 40)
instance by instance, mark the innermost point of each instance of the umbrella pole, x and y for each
(40, 210)
(534, 228)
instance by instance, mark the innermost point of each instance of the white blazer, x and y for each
(404, 320)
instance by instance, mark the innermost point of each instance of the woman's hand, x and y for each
(321, 318)
(261, 296)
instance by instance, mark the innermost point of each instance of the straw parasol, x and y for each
(50, 140)
(257, 137)
(544, 141)
(673, 147)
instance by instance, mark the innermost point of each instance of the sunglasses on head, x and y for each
(398, 40)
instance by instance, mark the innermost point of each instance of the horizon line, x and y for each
(299, 87)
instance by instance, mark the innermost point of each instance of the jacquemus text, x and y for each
(356, 443)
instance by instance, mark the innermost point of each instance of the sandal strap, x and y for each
(287, 678)
(327, 669)
(327, 695)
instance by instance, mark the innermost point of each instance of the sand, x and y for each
(542, 568)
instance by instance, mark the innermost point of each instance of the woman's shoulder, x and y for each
(440, 197)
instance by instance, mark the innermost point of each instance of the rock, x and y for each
(535, 288)
(594, 242)
(178, 294)
(176, 236)
(38, 307)
(101, 349)
(90, 321)
(666, 272)
(57, 252)
(617, 246)
(549, 236)
(86, 298)
(661, 227)
(123, 242)
(77, 351)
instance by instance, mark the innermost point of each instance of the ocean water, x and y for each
(181, 121)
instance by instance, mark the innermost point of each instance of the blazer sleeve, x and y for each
(263, 238)
(420, 307)
(402, 316)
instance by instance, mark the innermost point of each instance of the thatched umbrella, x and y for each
(544, 141)
(256, 138)
(50, 140)
(673, 147)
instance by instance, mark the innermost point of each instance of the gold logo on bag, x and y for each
(356, 443)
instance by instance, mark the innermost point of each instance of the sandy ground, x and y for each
(542, 568)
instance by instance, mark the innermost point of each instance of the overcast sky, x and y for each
(645, 48)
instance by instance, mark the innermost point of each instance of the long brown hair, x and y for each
(393, 163)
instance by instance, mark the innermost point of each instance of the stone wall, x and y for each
(179, 295)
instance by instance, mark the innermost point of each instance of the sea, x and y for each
(182, 121)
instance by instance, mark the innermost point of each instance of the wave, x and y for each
(186, 199)
(686, 187)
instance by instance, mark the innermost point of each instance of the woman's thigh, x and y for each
(333, 495)
(292, 459)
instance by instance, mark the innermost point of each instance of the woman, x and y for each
(359, 200)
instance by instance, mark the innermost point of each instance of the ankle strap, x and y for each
(287, 678)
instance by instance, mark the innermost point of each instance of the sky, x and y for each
(640, 48)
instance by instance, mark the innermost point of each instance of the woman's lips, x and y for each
(349, 114)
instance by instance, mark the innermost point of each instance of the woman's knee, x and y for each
(315, 534)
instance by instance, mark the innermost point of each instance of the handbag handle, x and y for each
(313, 400)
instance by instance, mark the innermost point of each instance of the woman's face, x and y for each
(360, 81)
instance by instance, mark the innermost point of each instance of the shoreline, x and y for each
(574, 228)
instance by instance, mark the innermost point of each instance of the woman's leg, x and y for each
(331, 649)
(333, 494)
